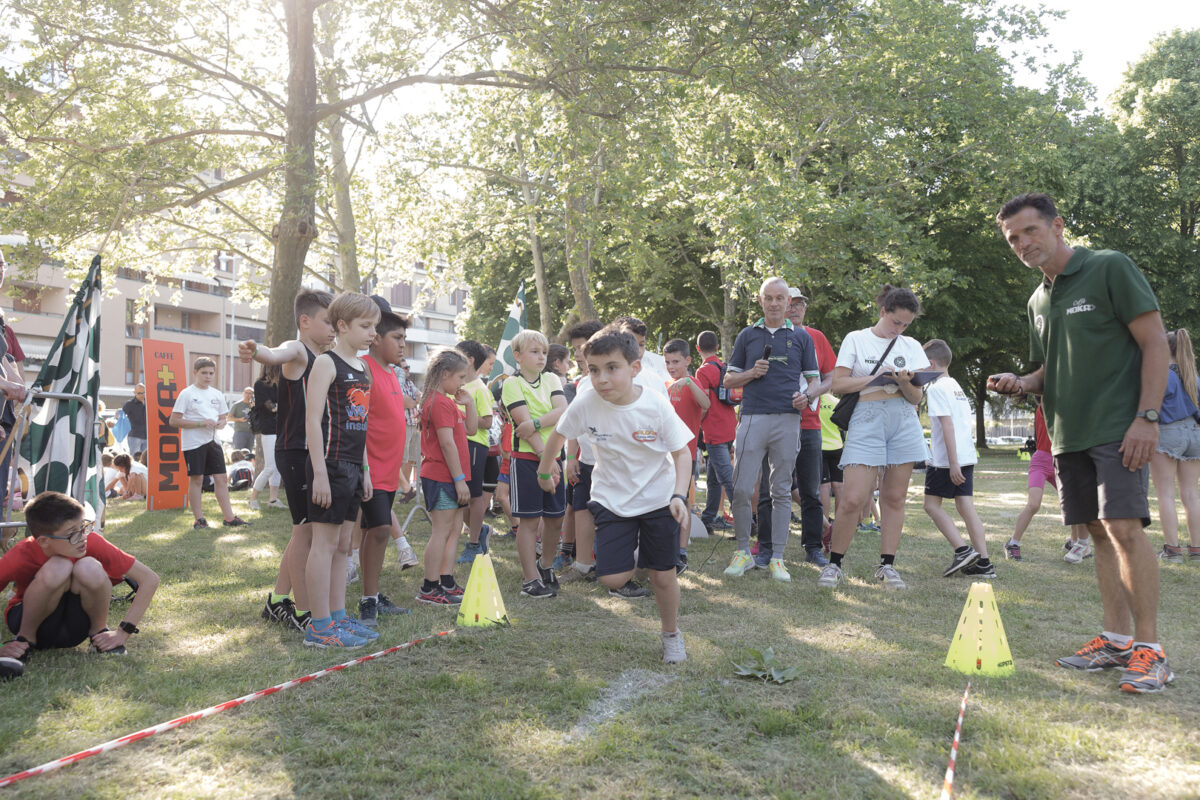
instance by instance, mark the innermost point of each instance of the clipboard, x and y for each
(919, 378)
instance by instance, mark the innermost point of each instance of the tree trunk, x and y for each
(728, 326)
(343, 208)
(577, 257)
(980, 402)
(529, 198)
(296, 227)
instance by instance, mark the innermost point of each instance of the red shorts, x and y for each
(1041, 470)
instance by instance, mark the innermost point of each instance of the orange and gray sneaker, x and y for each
(1096, 655)
(1147, 672)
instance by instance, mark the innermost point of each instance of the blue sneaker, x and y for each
(561, 561)
(332, 636)
(469, 552)
(484, 533)
(356, 628)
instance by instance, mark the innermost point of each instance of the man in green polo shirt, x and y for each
(1096, 331)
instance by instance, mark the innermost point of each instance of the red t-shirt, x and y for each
(21, 564)
(826, 360)
(386, 427)
(720, 425)
(686, 407)
(1039, 430)
(442, 413)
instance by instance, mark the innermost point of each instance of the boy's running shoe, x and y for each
(236, 522)
(673, 652)
(10, 668)
(1171, 556)
(868, 527)
(682, 565)
(741, 563)
(277, 503)
(455, 593)
(200, 523)
(761, 559)
(332, 636)
(386, 607)
(630, 591)
(889, 577)
(405, 554)
(292, 619)
(252, 504)
(368, 612)
(561, 561)
(274, 612)
(434, 597)
(485, 533)
(1067, 545)
(976, 571)
(357, 628)
(549, 579)
(1096, 655)
(1147, 672)
(1012, 551)
(778, 570)
(964, 559)
(470, 550)
(577, 572)
(536, 589)
(831, 576)
(815, 556)
(1080, 549)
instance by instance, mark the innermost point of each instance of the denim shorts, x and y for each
(884, 433)
(1180, 439)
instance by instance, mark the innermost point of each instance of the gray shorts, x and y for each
(1180, 439)
(1093, 484)
(884, 433)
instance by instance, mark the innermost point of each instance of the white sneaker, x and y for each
(778, 570)
(405, 555)
(673, 652)
(831, 576)
(351, 571)
(253, 504)
(890, 578)
(1080, 549)
(276, 503)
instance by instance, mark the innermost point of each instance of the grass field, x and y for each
(573, 699)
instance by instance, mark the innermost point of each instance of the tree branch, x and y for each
(150, 142)
(493, 78)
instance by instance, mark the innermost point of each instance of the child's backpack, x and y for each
(254, 420)
(242, 478)
(730, 397)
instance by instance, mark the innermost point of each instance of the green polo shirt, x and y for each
(1079, 329)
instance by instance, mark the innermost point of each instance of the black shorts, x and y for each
(528, 499)
(377, 511)
(293, 475)
(66, 626)
(345, 492)
(938, 483)
(831, 472)
(655, 536)
(477, 454)
(1093, 485)
(491, 473)
(581, 491)
(207, 459)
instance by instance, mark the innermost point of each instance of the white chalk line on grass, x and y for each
(618, 697)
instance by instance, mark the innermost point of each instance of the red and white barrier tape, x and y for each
(948, 783)
(145, 733)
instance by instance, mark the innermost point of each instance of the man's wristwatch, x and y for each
(1148, 414)
(128, 627)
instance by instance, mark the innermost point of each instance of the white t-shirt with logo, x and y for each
(947, 399)
(861, 350)
(632, 445)
(198, 405)
(138, 468)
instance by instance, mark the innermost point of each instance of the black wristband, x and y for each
(128, 627)
(681, 497)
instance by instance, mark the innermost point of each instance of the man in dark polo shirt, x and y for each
(1096, 330)
(773, 392)
(135, 412)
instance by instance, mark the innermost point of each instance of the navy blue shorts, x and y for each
(439, 495)
(655, 536)
(938, 483)
(527, 498)
(582, 490)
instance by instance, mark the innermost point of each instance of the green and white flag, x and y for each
(54, 450)
(505, 363)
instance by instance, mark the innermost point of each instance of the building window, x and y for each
(133, 365)
(26, 298)
(133, 328)
(185, 320)
(224, 262)
(402, 295)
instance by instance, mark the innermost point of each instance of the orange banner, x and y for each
(166, 376)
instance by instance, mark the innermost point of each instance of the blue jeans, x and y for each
(720, 476)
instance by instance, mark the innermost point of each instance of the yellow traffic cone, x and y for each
(979, 646)
(482, 604)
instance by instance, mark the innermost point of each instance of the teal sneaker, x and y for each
(470, 550)
(332, 636)
(357, 628)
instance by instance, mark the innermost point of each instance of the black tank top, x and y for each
(290, 412)
(344, 423)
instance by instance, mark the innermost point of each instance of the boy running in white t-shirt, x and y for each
(949, 475)
(640, 479)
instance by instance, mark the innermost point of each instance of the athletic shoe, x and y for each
(890, 578)
(815, 556)
(357, 628)
(1080, 550)
(631, 590)
(351, 571)
(1012, 551)
(778, 570)
(455, 593)
(964, 559)
(485, 533)
(868, 527)
(537, 547)
(1067, 544)
(119, 650)
(577, 572)
(200, 523)
(470, 550)
(720, 524)
(561, 561)
(236, 522)
(682, 566)
(536, 589)
(434, 597)
(277, 503)
(831, 576)
(405, 554)
(549, 579)
(511, 534)
(976, 571)
(388, 608)
(795, 519)
(10, 668)
(741, 563)
(368, 612)
(1096, 655)
(1171, 556)
(673, 652)
(761, 560)
(1147, 672)
(291, 618)
(274, 612)
(252, 504)
(332, 636)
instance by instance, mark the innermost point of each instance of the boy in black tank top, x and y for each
(336, 403)
(295, 359)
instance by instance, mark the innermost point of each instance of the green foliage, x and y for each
(762, 665)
